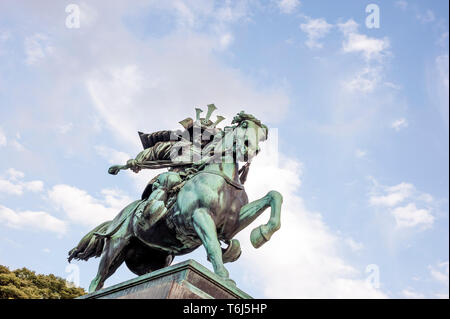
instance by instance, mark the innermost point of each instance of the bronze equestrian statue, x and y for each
(200, 200)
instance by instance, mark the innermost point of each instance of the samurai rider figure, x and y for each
(181, 152)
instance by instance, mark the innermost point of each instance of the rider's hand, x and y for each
(132, 164)
(136, 169)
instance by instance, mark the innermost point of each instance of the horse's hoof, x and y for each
(230, 281)
(93, 288)
(232, 253)
(259, 236)
(95, 285)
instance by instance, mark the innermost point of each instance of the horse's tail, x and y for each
(91, 245)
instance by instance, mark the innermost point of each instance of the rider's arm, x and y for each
(133, 163)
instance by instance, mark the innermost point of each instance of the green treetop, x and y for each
(26, 284)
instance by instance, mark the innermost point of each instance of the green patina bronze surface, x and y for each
(200, 200)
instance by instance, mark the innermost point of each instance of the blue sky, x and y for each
(359, 115)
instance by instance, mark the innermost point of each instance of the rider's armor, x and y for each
(154, 207)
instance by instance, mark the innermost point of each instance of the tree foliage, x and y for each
(26, 284)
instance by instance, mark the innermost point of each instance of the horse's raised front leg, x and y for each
(206, 230)
(252, 210)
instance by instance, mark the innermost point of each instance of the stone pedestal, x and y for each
(185, 280)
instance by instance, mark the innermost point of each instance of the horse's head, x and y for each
(248, 132)
(239, 142)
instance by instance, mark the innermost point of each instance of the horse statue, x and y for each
(193, 204)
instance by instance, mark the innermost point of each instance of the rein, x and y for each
(226, 178)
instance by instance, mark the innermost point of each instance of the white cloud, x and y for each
(408, 215)
(348, 27)
(438, 84)
(411, 294)
(226, 40)
(364, 81)
(288, 6)
(65, 128)
(4, 35)
(126, 82)
(120, 92)
(411, 216)
(354, 245)
(14, 174)
(138, 96)
(88, 15)
(426, 17)
(440, 272)
(289, 41)
(13, 185)
(196, 14)
(10, 188)
(425, 198)
(113, 156)
(216, 17)
(185, 14)
(392, 85)
(82, 208)
(360, 153)
(402, 4)
(34, 186)
(37, 47)
(370, 48)
(17, 145)
(231, 11)
(443, 40)
(394, 195)
(442, 67)
(31, 220)
(399, 124)
(172, 73)
(315, 30)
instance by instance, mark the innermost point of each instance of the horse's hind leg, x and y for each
(252, 210)
(206, 230)
(112, 257)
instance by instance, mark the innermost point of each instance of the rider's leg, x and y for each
(206, 230)
(252, 210)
